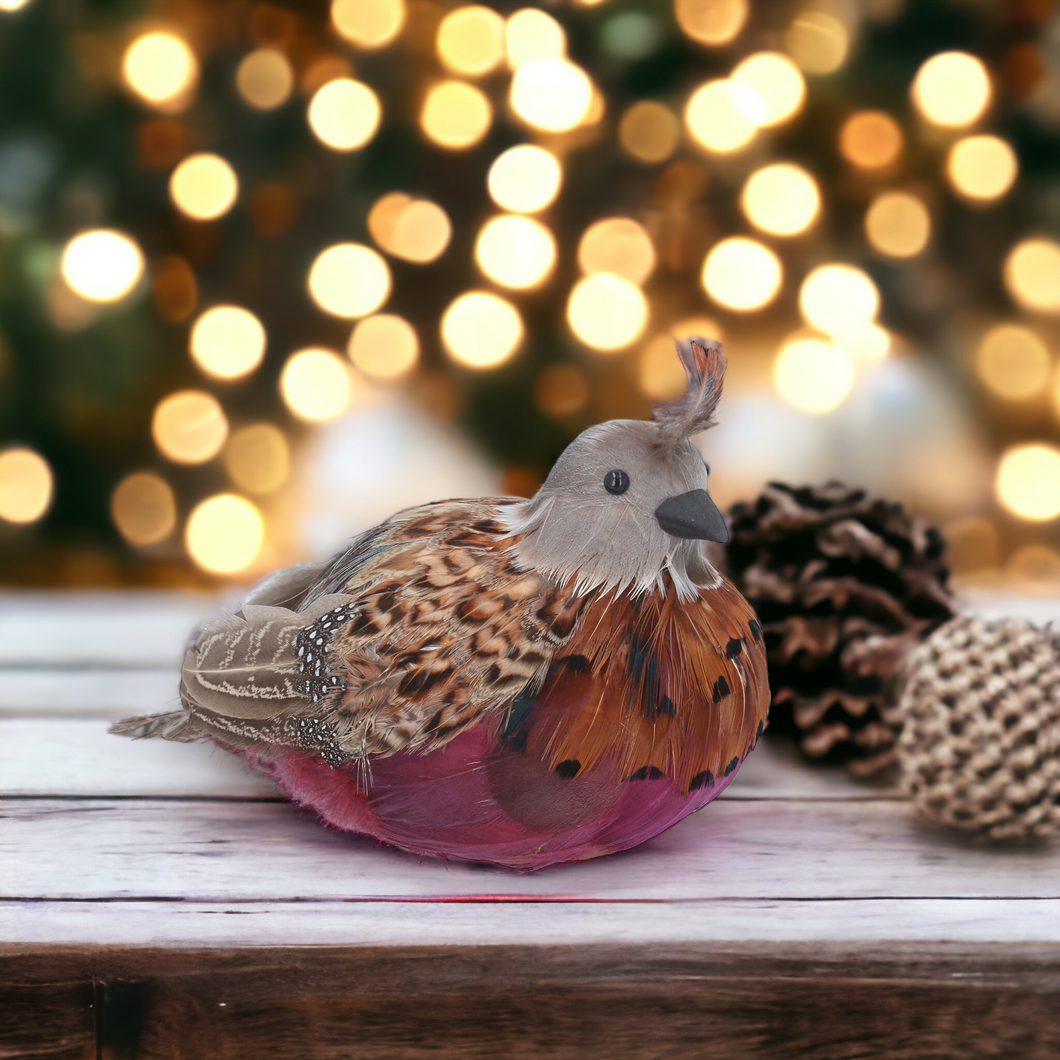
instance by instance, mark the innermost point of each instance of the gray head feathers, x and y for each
(694, 410)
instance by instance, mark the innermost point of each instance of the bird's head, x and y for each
(627, 501)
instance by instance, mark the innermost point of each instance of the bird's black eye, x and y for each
(616, 482)
(707, 466)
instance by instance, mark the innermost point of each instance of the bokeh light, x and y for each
(551, 94)
(264, 78)
(863, 340)
(659, 372)
(101, 265)
(481, 330)
(560, 389)
(344, 114)
(813, 375)
(227, 342)
(981, 168)
(898, 224)
(606, 311)
(26, 485)
(471, 40)
(421, 231)
(742, 274)
(1013, 362)
(718, 117)
(160, 68)
(1028, 481)
(257, 458)
(368, 24)
(9, 7)
(525, 178)
(619, 245)
(774, 85)
(455, 115)
(837, 298)
(870, 139)
(649, 131)
(204, 187)
(349, 280)
(711, 22)
(384, 346)
(532, 34)
(817, 41)
(143, 508)
(1032, 274)
(952, 89)
(515, 251)
(781, 199)
(315, 384)
(189, 427)
(224, 533)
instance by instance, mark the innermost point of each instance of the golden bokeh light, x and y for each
(455, 115)
(143, 508)
(774, 84)
(9, 7)
(606, 311)
(224, 533)
(619, 245)
(1028, 481)
(264, 78)
(315, 384)
(659, 372)
(204, 187)
(817, 41)
(813, 375)
(471, 40)
(711, 22)
(781, 199)
(560, 389)
(532, 34)
(1032, 274)
(101, 265)
(982, 168)
(227, 342)
(898, 224)
(344, 114)
(160, 68)
(952, 89)
(649, 131)
(349, 280)
(368, 24)
(864, 340)
(1013, 362)
(383, 217)
(742, 274)
(515, 251)
(481, 330)
(718, 117)
(838, 299)
(525, 178)
(551, 94)
(384, 346)
(870, 139)
(257, 458)
(26, 485)
(421, 232)
(189, 427)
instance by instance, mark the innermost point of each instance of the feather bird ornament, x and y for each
(522, 682)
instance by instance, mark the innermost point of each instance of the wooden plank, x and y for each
(260, 851)
(82, 693)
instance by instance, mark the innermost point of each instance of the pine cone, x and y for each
(980, 743)
(845, 586)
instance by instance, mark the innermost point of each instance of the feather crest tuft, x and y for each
(704, 365)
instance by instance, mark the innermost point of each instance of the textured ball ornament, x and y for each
(980, 743)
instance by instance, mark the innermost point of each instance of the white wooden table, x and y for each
(156, 900)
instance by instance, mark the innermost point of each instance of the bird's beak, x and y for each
(693, 515)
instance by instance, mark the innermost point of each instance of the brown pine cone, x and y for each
(845, 586)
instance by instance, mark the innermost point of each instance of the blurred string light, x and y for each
(952, 89)
(264, 78)
(553, 95)
(1013, 362)
(413, 229)
(9, 7)
(870, 139)
(817, 41)
(838, 299)
(384, 346)
(619, 245)
(481, 330)
(863, 340)
(224, 533)
(981, 168)
(649, 131)
(471, 40)
(227, 342)
(532, 34)
(781, 199)
(204, 187)
(813, 375)
(257, 458)
(189, 427)
(515, 251)
(525, 178)
(315, 384)
(560, 389)
(742, 274)
(1031, 272)
(26, 485)
(455, 115)
(344, 114)
(161, 69)
(1028, 481)
(143, 508)
(101, 265)
(659, 372)
(369, 24)
(607, 312)
(770, 87)
(718, 116)
(898, 224)
(349, 280)
(711, 22)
